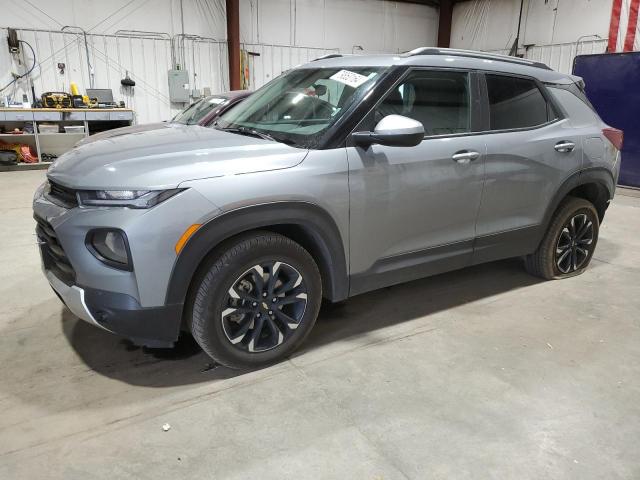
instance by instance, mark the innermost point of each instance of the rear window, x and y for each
(516, 103)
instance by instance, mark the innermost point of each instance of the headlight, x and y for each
(125, 198)
(44, 187)
(110, 246)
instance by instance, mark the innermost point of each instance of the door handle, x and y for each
(564, 146)
(465, 156)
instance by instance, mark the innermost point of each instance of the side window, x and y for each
(437, 99)
(516, 103)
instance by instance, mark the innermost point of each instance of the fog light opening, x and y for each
(111, 247)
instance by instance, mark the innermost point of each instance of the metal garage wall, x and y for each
(492, 24)
(207, 62)
(147, 59)
(553, 31)
(560, 56)
(284, 33)
(268, 61)
(374, 25)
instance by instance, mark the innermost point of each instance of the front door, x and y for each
(413, 209)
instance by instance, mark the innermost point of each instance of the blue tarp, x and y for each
(613, 86)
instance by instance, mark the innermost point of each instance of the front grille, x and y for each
(53, 254)
(63, 196)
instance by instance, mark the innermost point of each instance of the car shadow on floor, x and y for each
(114, 357)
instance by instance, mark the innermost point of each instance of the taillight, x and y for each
(614, 135)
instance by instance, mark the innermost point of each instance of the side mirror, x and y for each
(392, 131)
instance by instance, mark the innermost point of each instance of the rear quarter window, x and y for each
(578, 112)
(578, 91)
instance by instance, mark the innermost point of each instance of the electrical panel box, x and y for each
(179, 86)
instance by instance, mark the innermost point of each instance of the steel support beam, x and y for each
(444, 23)
(233, 42)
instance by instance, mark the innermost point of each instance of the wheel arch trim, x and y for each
(316, 221)
(597, 175)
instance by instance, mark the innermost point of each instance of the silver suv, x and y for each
(341, 176)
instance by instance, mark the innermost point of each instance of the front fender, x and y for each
(322, 231)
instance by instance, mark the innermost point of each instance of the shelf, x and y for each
(25, 166)
(59, 142)
(40, 135)
(63, 110)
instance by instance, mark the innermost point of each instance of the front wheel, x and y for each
(257, 301)
(569, 243)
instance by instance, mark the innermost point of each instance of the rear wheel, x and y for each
(257, 301)
(568, 245)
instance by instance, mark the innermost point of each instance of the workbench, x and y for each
(93, 119)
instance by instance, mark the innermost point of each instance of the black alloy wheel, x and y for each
(574, 244)
(255, 300)
(567, 247)
(264, 306)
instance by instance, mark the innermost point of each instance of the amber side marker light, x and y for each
(186, 236)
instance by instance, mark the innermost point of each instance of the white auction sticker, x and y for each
(347, 77)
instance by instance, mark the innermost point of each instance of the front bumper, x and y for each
(111, 299)
(72, 296)
(121, 314)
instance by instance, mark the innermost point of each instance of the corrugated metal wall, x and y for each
(147, 57)
(560, 56)
(268, 61)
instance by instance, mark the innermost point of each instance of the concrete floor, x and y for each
(482, 373)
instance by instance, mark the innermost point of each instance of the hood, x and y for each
(166, 157)
(116, 132)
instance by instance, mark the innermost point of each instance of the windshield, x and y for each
(197, 111)
(298, 107)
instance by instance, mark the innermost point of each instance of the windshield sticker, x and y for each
(347, 77)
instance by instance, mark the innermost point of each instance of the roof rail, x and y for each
(473, 54)
(329, 55)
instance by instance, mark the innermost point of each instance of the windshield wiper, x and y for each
(249, 132)
(258, 134)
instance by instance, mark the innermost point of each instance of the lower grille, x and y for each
(63, 196)
(53, 254)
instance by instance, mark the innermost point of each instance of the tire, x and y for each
(233, 317)
(563, 252)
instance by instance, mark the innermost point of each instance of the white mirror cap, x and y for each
(395, 124)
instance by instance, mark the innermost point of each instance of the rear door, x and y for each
(531, 151)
